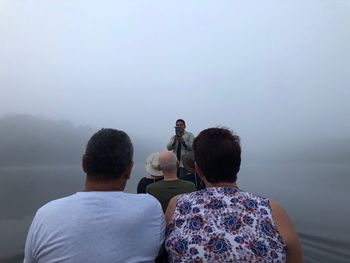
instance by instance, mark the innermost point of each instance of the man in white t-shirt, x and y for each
(102, 223)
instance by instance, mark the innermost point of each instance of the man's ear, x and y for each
(128, 170)
(84, 162)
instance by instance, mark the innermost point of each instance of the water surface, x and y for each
(314, 195)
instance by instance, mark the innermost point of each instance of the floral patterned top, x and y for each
(223, 224)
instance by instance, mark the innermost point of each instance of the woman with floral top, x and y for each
(223, 223)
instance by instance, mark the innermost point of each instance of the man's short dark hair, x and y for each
(107, 154)
(180, 120)
(217, 152)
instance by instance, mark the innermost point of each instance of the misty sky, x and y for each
(274, 71)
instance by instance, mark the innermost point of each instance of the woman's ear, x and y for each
(200, 174)
(198, 170)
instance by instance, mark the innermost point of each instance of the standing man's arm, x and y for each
(172, 143)
(188, 141)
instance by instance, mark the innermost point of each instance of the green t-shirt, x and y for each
(165, 190)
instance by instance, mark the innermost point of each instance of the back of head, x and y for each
(107, 155)
(217, 152)
(168, 162)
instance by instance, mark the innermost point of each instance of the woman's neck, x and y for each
(222, 184)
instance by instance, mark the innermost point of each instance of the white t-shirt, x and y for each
(97, 227)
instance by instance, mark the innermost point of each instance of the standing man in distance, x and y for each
(181, 143)
(102, 223)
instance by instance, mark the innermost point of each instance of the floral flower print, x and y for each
(223, 224)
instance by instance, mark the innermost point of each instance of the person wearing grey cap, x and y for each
(154, 173)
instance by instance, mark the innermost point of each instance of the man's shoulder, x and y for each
(142, 181)
(76, 200)
(189, 133)
(186, 183)
(59, 202)
(146, 202)
(141, 199)
(155, 185)
(55, 207)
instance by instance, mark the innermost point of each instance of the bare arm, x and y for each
(287, 231)
(170, 209)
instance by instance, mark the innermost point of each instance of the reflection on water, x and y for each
(315, 197)
(321, 249)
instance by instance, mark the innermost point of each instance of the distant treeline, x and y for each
(32, 140)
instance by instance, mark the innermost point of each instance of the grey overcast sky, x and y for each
(266, 69)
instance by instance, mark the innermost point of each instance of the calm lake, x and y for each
(315, 196)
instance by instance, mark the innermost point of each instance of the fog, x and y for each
(276, 72)
(27, 140)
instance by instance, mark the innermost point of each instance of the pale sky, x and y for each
(273, 71)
